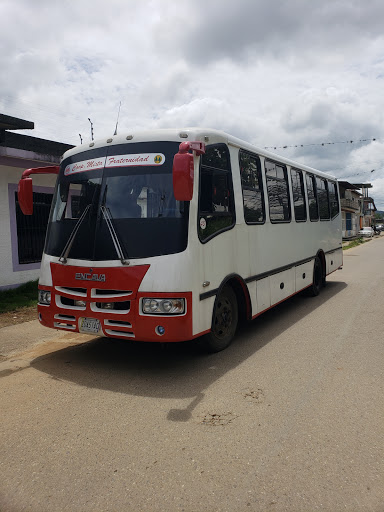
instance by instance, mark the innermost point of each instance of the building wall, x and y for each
(11, 272)
(350, 223)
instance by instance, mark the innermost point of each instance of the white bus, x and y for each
(170, 235)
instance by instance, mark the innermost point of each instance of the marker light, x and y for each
(44, 297)
(163, 306)
(160, 330)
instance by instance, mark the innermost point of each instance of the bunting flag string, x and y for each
(320, 144)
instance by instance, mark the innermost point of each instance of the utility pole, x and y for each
(91, 128)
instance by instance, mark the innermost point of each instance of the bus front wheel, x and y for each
(224, 321)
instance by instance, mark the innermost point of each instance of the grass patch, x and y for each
(17, 298)
(354, 243)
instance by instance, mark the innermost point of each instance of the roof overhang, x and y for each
(348, 186)
(363, 185)
(14, 123)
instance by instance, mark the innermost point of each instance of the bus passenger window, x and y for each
(277, 188)
(333, 199)
(299, 204)
(322, 194)
(312, 197)
(216, 202)
(252, 187)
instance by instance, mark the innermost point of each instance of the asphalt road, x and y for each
(289, 418)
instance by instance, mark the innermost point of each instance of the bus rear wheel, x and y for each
(318, 278)
(224, 321)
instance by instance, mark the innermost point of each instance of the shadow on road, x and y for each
(175, 370)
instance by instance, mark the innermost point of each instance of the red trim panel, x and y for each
(118, 286)
(111, 278)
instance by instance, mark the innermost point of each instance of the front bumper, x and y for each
(126, 322)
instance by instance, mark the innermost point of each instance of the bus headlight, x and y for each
(44, 297)
(163, 306)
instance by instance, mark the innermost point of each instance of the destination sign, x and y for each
(130, 160)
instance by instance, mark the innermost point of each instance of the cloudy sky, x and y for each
(296, 73)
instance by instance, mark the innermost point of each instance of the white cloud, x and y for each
(274, 74)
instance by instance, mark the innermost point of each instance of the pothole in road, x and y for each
(218, 419)
(254, 395)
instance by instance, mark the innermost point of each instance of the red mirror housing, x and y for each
(25, 196)
(25, 190)
(183, 176)
(183, 170)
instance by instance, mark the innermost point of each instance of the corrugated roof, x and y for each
(348, 185)
(14, 123)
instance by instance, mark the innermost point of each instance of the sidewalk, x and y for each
(365, 239)
(17, 338)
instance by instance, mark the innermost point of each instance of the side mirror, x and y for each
(25, 196)
(25, 190)
(183, 170)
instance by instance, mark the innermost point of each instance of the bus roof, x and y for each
(207, 135)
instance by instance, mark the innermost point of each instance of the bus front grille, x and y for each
(113, 327)
(65, 322)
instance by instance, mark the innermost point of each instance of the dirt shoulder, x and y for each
(17, 317)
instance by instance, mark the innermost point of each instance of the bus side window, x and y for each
(322, 194)
(216, 201)
(312, 197)
(252, 187)
(299, 203)
(333, 199)
(277, 188)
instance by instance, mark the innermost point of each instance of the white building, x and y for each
(22, 237)
(351, 208)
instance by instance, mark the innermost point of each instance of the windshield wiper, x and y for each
(116, 242)
(68, 246)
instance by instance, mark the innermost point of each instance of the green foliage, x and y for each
(21, 297)
(354, 243)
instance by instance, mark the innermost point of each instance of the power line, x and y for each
(320, 144)
(355, 174)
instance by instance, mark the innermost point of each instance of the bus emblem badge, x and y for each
(90, 277)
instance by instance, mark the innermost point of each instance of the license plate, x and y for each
(91, 325)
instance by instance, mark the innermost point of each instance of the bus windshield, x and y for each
(118, 195)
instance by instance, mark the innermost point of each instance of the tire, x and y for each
(224, 321)
(318, 278)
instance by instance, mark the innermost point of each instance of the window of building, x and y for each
(348, 221)
(322, 195)
(277, 188)
(299, 204)
(31, 228)
(312, 197)
(216, 201)
(333, 199)
(252, 186)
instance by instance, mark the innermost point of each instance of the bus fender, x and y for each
(240, 288)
